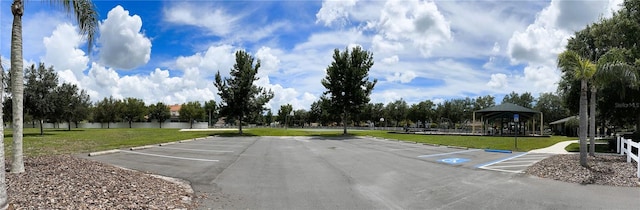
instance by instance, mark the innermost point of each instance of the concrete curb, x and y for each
(141, 147)
(433, 145)
(457, 147)
(183, 141)
(168, 143)
(106, 152)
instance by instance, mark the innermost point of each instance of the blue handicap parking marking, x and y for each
(454, 161)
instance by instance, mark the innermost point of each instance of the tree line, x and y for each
(45, 100)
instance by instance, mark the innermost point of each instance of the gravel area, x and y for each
(603, 170)
(68, 182)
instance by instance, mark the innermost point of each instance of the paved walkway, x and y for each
(557, 148)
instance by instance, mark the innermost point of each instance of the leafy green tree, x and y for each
(284, 115)
(397, 111)
(483, 102)
(347, 82)
(240, 97)
(160, 112)
(191, 111)
(86, 16)
(524, 100)
(133, 109)
(423, 112)
(106, 110)
(551, 107)
(72, 104)
(38, 93)
(268, 119)
(583, 69)
(211, 107)
(300, 117)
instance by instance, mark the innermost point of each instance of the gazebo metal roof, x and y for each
(507, 110)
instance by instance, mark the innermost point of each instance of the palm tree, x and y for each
(611, 67)
(3, 182)
(87, 19)
(582, 69)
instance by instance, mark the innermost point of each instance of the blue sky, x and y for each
(168, 51)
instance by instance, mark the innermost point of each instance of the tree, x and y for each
(86, 16)
(609, 68)
(133, 109)
(106, 111)
(160, 112)
(72, 105)
(191, 111)
(483, 102)
(284, 114)
(524, 100)
(583, 69)
(397, 111)
(423, 111)
(268, 119)
(347, 82)
(240, 97)
(551, 107)
(211, 108)
(4, 198)
(38, 92)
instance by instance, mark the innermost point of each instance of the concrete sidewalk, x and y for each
(557, 148)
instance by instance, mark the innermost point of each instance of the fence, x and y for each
(626, 146)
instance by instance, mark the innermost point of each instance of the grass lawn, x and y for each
(600, 148)
(60, 141)
(481, 142)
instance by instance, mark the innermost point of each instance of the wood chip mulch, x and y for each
(603, 170)
(68, 182)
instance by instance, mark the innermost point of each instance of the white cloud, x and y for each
(498, 81)
(414, 22)
(122, 44)
(404, 77)
(65, 39)
(215, 19)
(391, 60)
(335, 12)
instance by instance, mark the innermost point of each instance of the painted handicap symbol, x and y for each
(454, 161)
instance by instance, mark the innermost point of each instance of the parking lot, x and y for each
(359, 173)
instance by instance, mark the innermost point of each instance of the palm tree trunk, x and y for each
(583, 123)
(3, 181)
(17, 89)
(592, 121)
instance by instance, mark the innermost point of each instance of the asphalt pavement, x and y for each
(361, 173)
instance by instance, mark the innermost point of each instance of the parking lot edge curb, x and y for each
(141, 147)
(104, 152)
(168, 143)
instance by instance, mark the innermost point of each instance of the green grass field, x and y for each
(57, 141)
(600, 148)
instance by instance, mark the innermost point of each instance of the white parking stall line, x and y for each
(197, 150)
(522, 161)
(448, 153)
(167, 156)
(510, 166)
(213, 145)
(501, 170)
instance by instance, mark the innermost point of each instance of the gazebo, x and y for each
(503, 115)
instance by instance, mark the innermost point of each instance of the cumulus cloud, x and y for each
(65, 39)
(417, 22)
(335, 12)
(404, 77)
(123, 46)
(498, 81)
